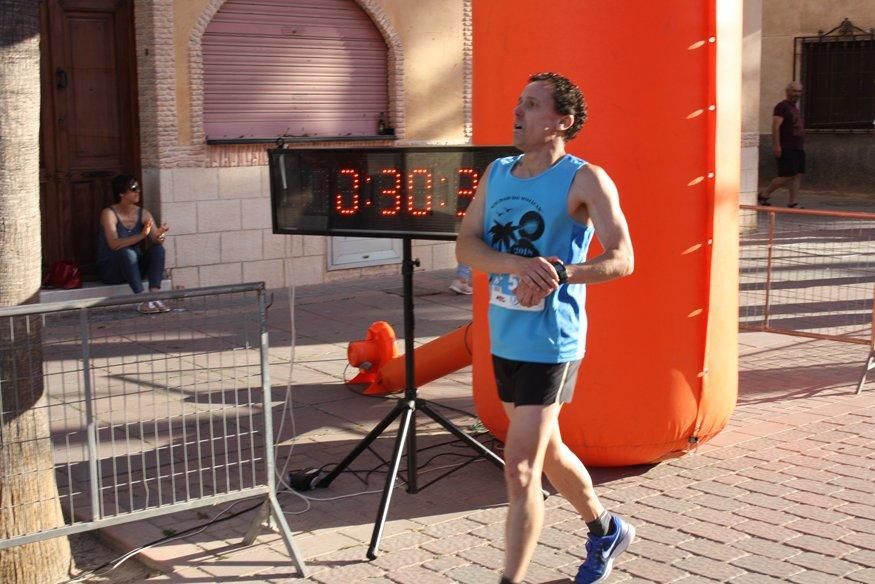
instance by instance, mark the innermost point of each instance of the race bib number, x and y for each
(501, 293)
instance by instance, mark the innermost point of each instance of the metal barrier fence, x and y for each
(147, 415)
(809, 273)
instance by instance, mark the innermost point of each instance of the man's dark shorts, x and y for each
(791, 162)
(523, 383)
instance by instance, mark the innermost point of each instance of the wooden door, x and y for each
(90, 130)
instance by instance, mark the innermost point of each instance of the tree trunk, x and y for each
(28, 493)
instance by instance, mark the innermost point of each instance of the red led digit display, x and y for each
(392, 177)
(420, 189)
(346, 201)
(418, 192)
(466, 189)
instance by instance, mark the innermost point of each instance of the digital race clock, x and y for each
(419, 192)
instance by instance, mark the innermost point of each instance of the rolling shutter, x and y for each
(293, 68)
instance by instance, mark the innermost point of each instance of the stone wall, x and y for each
(782, 22)
(844, 163)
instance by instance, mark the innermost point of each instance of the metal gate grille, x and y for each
(837, 69)
(809, 274)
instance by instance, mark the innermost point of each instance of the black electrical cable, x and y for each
(438, 455)
(451, 408)
(365, 481)
(160, 540)
(219, 519)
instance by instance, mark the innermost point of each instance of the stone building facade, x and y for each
(839, 160)
(215, 197)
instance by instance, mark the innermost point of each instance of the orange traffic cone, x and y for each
(372, 353)
(432, 360)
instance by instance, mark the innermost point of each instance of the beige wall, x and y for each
(751, 50)
(431, 32)
(185, 16)
(783, 20)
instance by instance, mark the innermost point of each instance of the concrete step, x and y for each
(93, 290)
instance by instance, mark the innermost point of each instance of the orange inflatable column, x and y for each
(660, 371)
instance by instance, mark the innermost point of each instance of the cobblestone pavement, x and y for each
(784, 493)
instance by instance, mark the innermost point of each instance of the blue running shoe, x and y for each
(601, 551)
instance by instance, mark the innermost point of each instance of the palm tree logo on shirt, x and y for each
(517, 239)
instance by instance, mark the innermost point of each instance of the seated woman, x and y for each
(122, 256)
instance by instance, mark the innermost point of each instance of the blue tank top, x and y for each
(529, 217)
(103, 251)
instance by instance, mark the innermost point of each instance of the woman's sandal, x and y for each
(763, 201)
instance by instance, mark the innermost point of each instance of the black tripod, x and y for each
(406, 408)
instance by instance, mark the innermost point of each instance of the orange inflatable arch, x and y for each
(662, 80)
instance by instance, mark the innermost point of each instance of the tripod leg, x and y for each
(362, 446)
(455, 431)
(412, 485)
(394, 463)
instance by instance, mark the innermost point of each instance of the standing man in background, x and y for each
(529, 227)
(788, 134)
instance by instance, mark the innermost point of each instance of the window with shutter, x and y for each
(838, 80)
(308, 68)
(837, 70)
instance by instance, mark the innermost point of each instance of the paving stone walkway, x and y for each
(785, 494)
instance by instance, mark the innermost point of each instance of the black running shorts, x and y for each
(523, 383)
(791, 162)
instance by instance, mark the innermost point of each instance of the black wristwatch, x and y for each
(560, 271)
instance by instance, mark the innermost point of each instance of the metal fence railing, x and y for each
(808, 273)
(146, 415)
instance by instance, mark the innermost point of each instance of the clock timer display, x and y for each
(420, 192)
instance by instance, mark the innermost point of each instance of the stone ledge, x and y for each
(93, 290)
